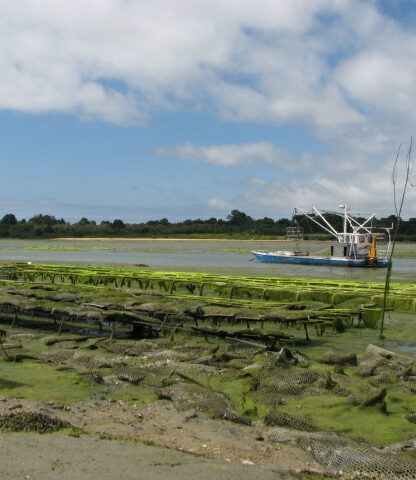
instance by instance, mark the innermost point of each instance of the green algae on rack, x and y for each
(402, 296)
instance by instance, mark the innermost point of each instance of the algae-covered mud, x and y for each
(285, 374)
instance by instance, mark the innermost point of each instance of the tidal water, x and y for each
(219, 256)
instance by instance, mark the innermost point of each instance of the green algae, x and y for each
(42, 382)
(99, 304)
(234, 388)
(61, 248)
(402, 296)
(266, 306)
(331, 410)
(332, 413)
(404, 254)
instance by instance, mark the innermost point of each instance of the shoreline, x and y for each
(165, 239)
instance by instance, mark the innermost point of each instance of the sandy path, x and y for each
(160, 424)
(57, 456)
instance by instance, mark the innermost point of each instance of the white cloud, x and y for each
(219, 204)
(280, 62)
(383, 78)
(365, 193)
(233, 155)
(362, 180)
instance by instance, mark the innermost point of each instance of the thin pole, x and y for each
(398, 209)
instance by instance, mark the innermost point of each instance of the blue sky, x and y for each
(188, 109)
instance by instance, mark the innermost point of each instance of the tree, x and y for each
(9, 219)
(267, 221)
(284, 222)
(118, 224)
(44, 220)
(411, 227)
(238, 218)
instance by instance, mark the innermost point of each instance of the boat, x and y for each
(358, 243)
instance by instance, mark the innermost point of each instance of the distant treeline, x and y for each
(236, 225)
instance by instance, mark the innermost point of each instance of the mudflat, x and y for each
(57, 456)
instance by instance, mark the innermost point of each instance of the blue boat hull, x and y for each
(314, 260)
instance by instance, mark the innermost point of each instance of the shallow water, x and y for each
(406, 348)
(219, 256)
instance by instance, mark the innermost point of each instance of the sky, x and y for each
(150, 109)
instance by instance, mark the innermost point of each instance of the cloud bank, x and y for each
(325, 63)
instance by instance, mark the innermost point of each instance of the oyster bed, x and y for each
(299, 383)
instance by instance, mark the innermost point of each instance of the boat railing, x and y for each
(294, 233)
(383, 254)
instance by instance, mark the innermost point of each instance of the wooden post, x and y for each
(138, 331)
(60, 326)
(15, 317)
(306, 331)
(113, 330)
(172, 335)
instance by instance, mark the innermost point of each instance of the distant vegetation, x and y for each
(236, 225)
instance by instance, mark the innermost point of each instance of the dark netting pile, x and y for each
(347, 459)
(31, 422)
(190, 398)
(366, 387)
